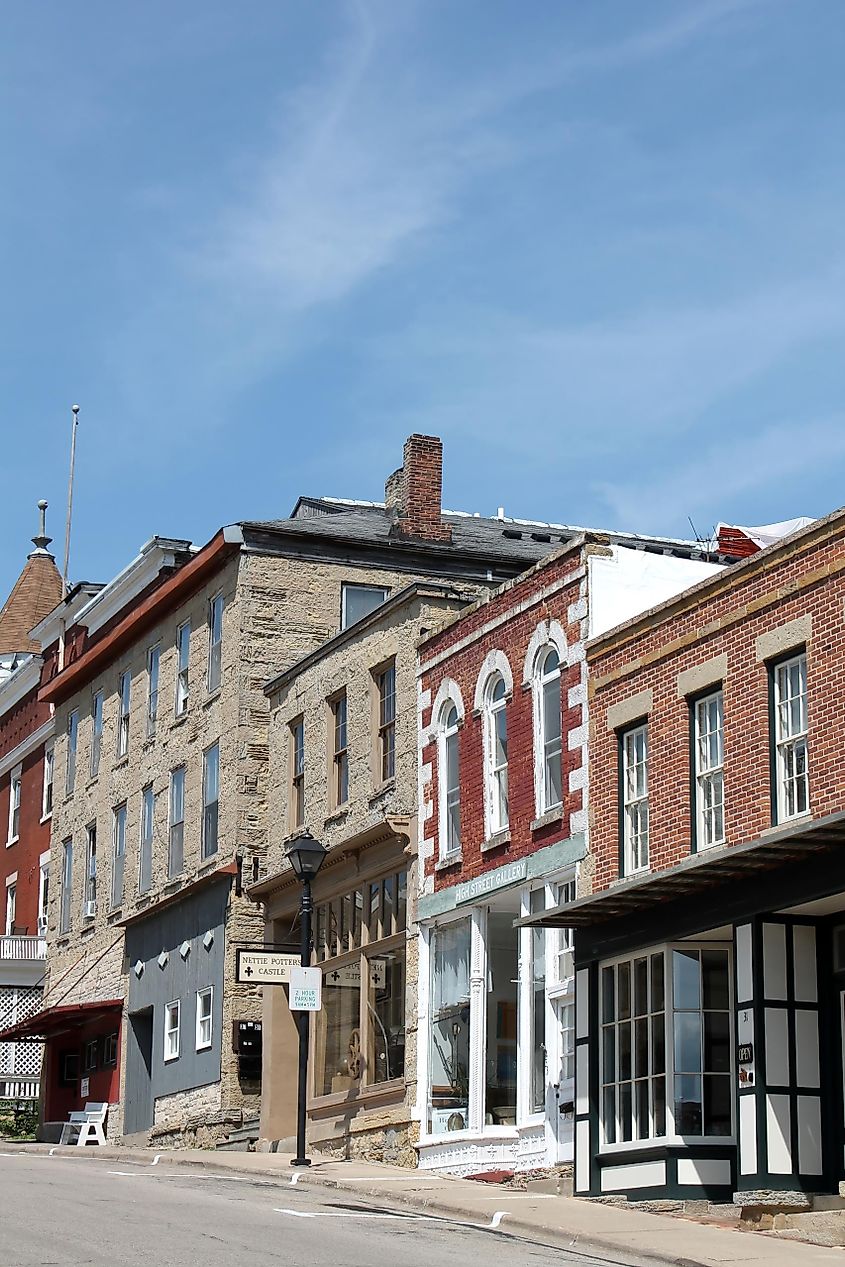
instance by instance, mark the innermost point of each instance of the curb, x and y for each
(515, 1226)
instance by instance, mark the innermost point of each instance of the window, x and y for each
(297, 789)
(210, 799)
(72, 739)
(666, 1046)
(204, 1002)
(183, 653)
(67, 881)
(15, 805)
(91, 1055)
(566, 941)
(449, 1028)
(358, 601)
(633, 1050)
(89, 908)
(124, 690)
(110, 1049)
(449, 782)
(47, 786)
(145, 851)
(635, 799)
(537, 903)
(340, 758)
(11, 903)
(548, 730)
(386, 683)
(790, 725)
(496, 753)
(171, 1030)
(118, 854)
(215, 641)
(153, 666)
(360, 945)
(176, 832)
(43, 895)
(96, 732)
(709, 748)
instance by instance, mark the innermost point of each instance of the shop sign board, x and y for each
(306, 989)
(471, 890)
(350, 975)
(265, 967)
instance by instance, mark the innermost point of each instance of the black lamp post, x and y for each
(306, 855)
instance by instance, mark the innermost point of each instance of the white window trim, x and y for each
(152, 719)
(43, 891)
(444, 733)
(186, 702)
(782, 743)
(177, 1030)
(204, 851)
(11, 892)
(702, 775)
(144, 791)
(353, 585)
(493, 826)
(670, 1139)
(122, 745)
(538, 680)
(629, 868)
(15, 781)
(49, 759)
(200, 1044)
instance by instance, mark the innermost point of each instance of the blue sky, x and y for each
(598, 248)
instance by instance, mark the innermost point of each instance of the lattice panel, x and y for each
(28, 1059)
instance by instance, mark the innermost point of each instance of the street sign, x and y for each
(350, 975)
(264, 967)
(306, 989)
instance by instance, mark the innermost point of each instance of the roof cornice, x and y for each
(154, 556)
(22, 681)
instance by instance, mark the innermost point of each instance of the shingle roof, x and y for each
(36, 592)
(518, 540)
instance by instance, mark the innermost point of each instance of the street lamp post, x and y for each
(306, 855)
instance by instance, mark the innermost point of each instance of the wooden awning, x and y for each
(59, 1020)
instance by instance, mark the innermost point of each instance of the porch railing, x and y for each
(21, 948)
(19, 1088)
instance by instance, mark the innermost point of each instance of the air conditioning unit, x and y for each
(89, 910)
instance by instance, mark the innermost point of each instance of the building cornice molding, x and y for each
(26, 746)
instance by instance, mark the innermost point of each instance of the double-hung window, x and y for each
(153, 666)
(215, 641)
(634, 745)
(210, 799)
(172, 1026)
(496, 754)
(386, 682)
(43, 895)
(11, 905)
(67, 882)
(297, 767)
(47, 787)
(340, 754)
(548, 731)
(709, 751)
(145, 850)
(96, 733)
(789, 684)
(124, 692)
(176, 830)
(89, 908)
(449, 781)
(72, 741)
(183, 655)
(118, 853)
(15, 805)
(205, 999)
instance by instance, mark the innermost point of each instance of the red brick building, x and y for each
(710, 955)
(26, 729)
(503, 826)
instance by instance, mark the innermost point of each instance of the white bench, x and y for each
(88, 1125)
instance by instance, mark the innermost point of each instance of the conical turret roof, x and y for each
(35, 593)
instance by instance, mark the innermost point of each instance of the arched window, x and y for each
(548, 730)
(496, 753)
(449, 781)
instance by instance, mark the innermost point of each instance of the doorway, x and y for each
(138, 1100)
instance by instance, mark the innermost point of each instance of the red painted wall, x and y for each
(104, 1082)
(464, 664)
(34, 836)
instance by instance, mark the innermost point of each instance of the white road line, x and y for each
(156, 1159)
(355, 1214)
(497, 1218)
(295, 1178)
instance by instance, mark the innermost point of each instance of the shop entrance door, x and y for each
(563, 1122)
(138, 1098)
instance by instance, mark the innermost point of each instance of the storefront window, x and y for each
(633, 1058)
(500, 1056)
(701, 1042)
(537, 903)
(360, 1032)
(449, 1034)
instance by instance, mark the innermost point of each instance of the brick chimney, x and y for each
(414, 491)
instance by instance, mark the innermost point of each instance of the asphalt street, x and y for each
(59, 1212)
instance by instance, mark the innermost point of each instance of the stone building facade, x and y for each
(343, 726)
(710, 976)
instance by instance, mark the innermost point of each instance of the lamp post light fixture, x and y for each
(305, 855)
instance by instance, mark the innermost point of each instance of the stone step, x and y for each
(233, 1146)
(819, 1227)
(240, 1138)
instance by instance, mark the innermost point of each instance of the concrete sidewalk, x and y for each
(630, 1237)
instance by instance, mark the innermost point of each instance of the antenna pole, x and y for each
(73, 426)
